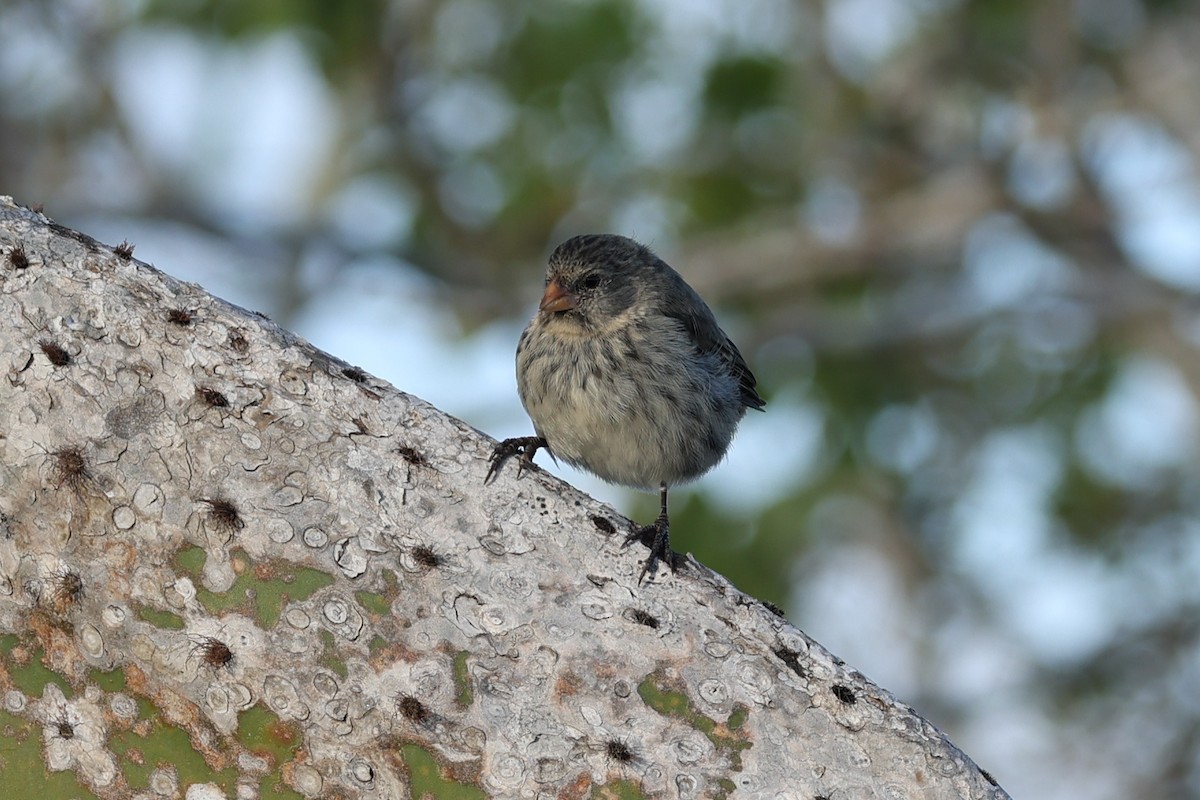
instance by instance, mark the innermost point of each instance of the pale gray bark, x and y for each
(529, 662)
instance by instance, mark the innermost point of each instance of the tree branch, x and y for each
(210, 526)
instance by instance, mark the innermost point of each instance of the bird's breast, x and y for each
(636, 406)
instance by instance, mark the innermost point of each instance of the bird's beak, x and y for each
(557, 299)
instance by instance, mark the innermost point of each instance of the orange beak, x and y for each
(557, 299)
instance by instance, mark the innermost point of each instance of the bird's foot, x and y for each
(656, 536)
(523, 446)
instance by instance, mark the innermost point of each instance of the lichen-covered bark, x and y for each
(231, 565)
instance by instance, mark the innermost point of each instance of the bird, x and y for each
(626, 374)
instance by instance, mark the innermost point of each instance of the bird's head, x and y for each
(593, 279)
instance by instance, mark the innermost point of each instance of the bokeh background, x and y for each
(957, 240)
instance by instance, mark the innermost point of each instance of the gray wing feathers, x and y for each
(708, 337)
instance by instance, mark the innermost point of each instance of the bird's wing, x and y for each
(746, 380)
(708, 338)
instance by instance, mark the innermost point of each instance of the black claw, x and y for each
(523, 446)
(657, 537)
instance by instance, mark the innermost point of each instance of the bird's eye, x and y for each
(590, 282)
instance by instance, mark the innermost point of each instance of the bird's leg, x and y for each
(657, 536)
(523, 446)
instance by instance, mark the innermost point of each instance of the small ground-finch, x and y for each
(626, 374)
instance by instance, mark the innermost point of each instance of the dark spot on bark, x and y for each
(792, 659)
(224, 515)
(774, 609)
(57, 355)
(18, 258)
(844, 694)
(427, 557)
(67, 587)
(238, 342)
(356, 374)
(412, 709)
(213, 652)
(618, 751)
(180, 316)
(211, 397)
(63, 727)
(603, 525)
(643, 618)
(412, 456)
(70, 469)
